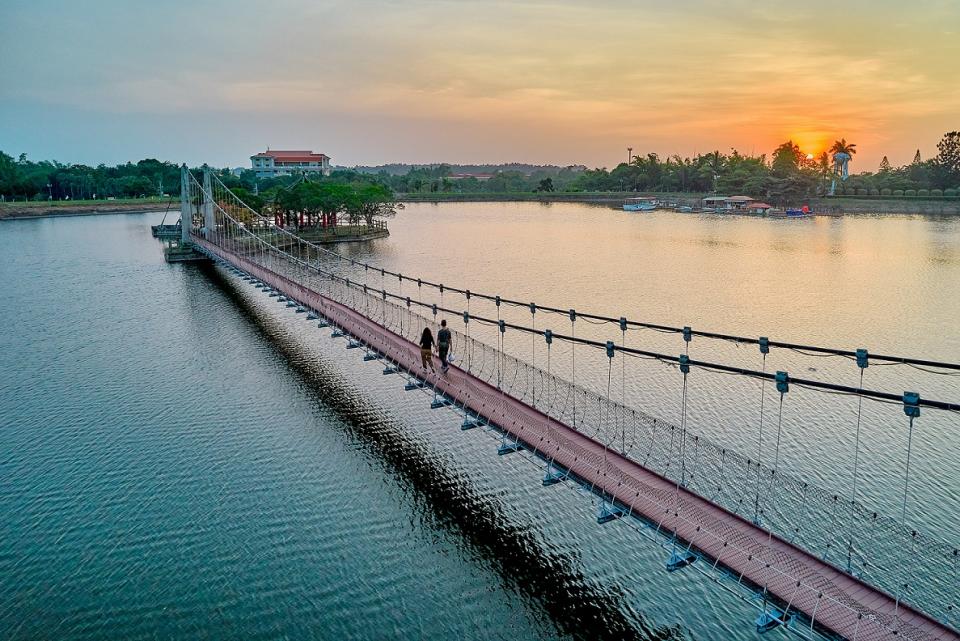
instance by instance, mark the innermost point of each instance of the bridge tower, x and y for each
(186, 214)
(209, 223)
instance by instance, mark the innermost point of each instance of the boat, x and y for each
(791, 213)
(803, 212)
(641, 203)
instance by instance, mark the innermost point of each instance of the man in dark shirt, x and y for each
(443, 345)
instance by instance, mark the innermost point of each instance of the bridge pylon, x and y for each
(209, 223)
(186, 214)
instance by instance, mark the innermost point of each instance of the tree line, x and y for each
(23, 179)
(787, 175)
(784, 177)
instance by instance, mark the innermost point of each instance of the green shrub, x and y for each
(897, 192)
(950, 193)
(910, 192)
(938, 193)
(923, 193)
(885, 191)
(874, 192)
(861, 191)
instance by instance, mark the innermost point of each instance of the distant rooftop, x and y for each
(288, 155)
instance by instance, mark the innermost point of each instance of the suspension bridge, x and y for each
(811, 561)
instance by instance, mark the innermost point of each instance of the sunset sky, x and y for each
(373, 81)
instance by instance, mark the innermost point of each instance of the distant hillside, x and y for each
(400, 169)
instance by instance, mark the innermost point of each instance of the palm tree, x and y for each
(844, 147)
(843, 152)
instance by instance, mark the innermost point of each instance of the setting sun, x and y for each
(809, 156)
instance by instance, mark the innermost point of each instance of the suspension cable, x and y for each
(644, 325)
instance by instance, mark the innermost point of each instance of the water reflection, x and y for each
(553, 580)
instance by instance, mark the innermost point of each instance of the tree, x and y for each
(545, 185)
(916, 158)
(884, 165)
(787, 159)
(843, 147)
(948, 159)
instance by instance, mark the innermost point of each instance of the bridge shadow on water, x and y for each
(550, 579)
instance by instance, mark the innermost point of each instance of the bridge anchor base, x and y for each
(509, 447)
(553, 476)
(770, 620)
(607, 512)
(680, 559)
(470, 422)
(440, 401)
(412, 385)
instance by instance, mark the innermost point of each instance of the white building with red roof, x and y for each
(285, 162)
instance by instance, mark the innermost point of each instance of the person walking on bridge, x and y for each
(443, 345)
(426, 349)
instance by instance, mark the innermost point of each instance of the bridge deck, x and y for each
(834, 600)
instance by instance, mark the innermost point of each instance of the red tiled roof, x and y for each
(300, 155)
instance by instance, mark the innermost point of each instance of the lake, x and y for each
(182, 458)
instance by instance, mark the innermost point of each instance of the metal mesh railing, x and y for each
(914, 567)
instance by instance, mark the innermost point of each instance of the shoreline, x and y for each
(22, 213)
(822, 206)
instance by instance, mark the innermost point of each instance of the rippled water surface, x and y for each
(182, 458)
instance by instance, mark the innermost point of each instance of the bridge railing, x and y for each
(919, 569)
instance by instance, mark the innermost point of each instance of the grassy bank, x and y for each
(85, 207)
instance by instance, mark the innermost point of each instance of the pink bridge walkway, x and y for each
(830, 600)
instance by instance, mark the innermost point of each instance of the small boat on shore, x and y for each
(803, 212)
(641, 203)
